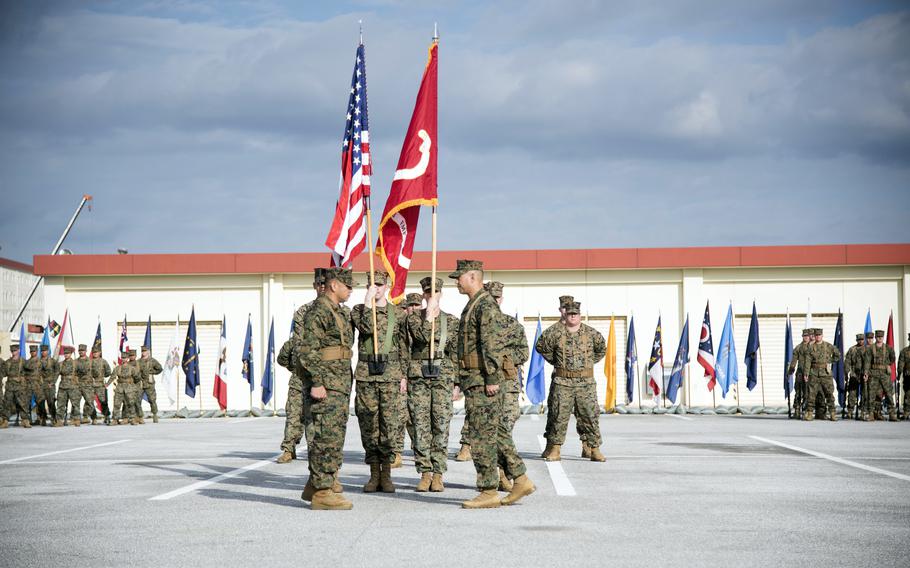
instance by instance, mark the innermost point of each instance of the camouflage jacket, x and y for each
(515, 351)
(32, 369)
(84, 371)
(796, 362)
(880, 359)
(324, 352)
(125, 374)
(100, 370)
(856, 362)
(903, 364)
(818, 359)
(49, 370)
(478, 354)
(14, 371)
(68, 377)
(285, 359)
(418, 329)
(572, 353)
(148, 368)
(392, 343)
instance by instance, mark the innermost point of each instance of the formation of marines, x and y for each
(867, 369)
(75, 391)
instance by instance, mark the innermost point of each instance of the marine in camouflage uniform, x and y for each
(412, 303)
(136, 396)
(16, 394)
(573, 355)
(482, 380)
(379, 390)
(69, 393)
(855, 366)
(148, 367)
(49, 370)
(818, 359)
(430, 397)
(324, 355)
(801, 385)
(881, 357)
(293, 408)
(100, 370)
(33, 381)
(123, 375)
(84, 378)
(903, 374)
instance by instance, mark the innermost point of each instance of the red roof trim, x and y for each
(567, 259)
(15, 265)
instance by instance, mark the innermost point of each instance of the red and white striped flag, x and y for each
(347, 235)
(65, 337)
(220, 392)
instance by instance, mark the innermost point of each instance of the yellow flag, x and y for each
(610, 368)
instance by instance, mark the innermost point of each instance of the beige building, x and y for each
(16, 281)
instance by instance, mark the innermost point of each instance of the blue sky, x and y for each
(215, 127)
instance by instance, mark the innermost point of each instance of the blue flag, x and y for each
(46, 338)
(248, 371)
(97, 343)
(190, 361)
(679, 364)
(868, 327)
(22, 348)
(268, 376)
(752, 345)
(837, 369)
(788, 357)
(536, 387)
(631, 361)
(727, 368)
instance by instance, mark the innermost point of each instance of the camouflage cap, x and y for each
(818, 331)
(381, 277)
(343, 275)
(144, 349)
(870, 335)
(807, 331)
(413, 299)
(14, 347)
(45, 347)
(425, 284)
(132, 352)
(879, 333)
(573, 308)
(466, 266)
(125, 353)
(859, 336)
(494, 288)
(83, 347)
(565, 301)
(67, 350)
(318, 276)
(32, 348)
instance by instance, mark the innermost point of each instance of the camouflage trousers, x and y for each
(430, 406)
(551, 404)
(124, 402)
(511, 410)
(149, 391)
(852, 386)
(906, 390)
(377, 405)
(405, 423)
(491, 443)
(70, 396)
(330, 424)
(16, 399)
(879, 388)
(580, 400)
(49, 406)
(293, 422)
(801, 394)
(825, 386)
(36, 392)
(89, 392)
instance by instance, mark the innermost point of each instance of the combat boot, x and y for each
(892, 416)
(521, 487)
(308, 490)
(424, 484)
(77, 422)
(464, 454)
(285, 457)
(155, 418)
(328, 500)
(58, 424)
(25, 423)
(585, 451)
(597, 455)
(549, 447)
(4, 423)
(385, 478)
(486, 499)
(373, 484)
(832, 416)
(396, 463)
(553, 456)
(336, 485)
(294, 454)
(436, 485)
(808, 417)
(504, 483)
(140, 419)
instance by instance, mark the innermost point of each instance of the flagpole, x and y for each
(761, 377)
(433, 261)
(366, 199)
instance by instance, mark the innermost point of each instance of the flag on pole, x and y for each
(677, 375)
(46, 339)
(610, 368)
(752, 346)
(65, 335)
(727, 369)
(631, 361)
(656, 363)
(147, 342)
(54, 327)
(347, 235)
(268, 373)
(190, 361)
(837, 369)
(97, 343)
(172, 363)
(124, 342)
(536, 387)
(788, 357)
(220, 391)
(22, 347)
(868, 328)
(705, 356)
(413, 185)
(248, 371)
(889, 339)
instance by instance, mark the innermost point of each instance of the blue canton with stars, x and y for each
(357, 121)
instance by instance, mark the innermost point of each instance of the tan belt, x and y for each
(817, 366)
(470, 361)
(881, 367)
(578, 374)
(336, 353)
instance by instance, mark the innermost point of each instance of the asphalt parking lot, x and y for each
(680, 490)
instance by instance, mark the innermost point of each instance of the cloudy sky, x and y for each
(216, 126)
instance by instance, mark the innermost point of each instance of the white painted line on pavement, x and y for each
(211, 481)
(835, 459)
(680, 417)
(63, 451)
(560, 480)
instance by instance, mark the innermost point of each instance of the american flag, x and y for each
(347, 236)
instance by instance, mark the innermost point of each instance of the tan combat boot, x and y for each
(464, 454)
(385, 478)
(892, 415)
(140, 419)
(597, 455)
(58, 424)
(25, 423)
(436, 485)
(832, 416)
(546, 450)
(94, 421)
(808, 416)
(486, 499)
(396, 463)
(553, 456)
(336, 485)
(285, 457)
(4, 423)
(585, 451)
(372, 486)
(155, 418)
(521, 487)
(424, 484)
(308, 490)
(504, 483)
(77, 422)
(328, 500)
